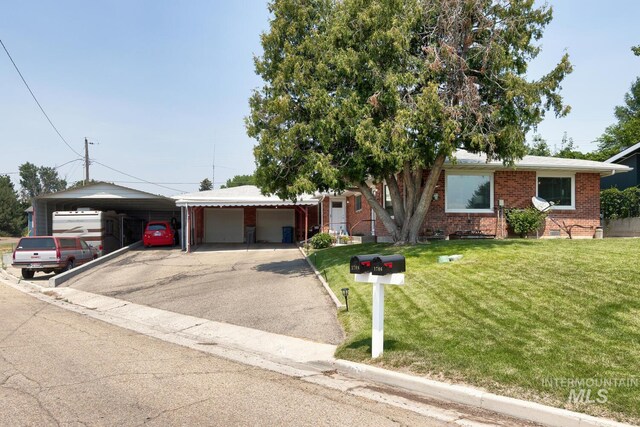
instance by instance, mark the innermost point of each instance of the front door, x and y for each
(338, 217)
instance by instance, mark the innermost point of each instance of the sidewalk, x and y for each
(306, 360)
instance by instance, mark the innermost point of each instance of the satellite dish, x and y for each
(541, 204)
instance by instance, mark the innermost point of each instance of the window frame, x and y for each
(447, 173)
(355, 202)
(385, 190)
(543, 174)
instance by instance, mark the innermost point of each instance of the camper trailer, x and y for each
(101, 230)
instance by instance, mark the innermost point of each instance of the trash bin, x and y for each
(287, 234)
(250, 234)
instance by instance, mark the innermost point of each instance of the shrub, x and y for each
(525, 221)
(321, 241)
(620, 204)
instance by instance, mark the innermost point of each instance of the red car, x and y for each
(158, 233)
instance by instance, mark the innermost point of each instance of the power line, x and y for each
(36, 99)
(168, 183)
(135, 177)
(66, 163)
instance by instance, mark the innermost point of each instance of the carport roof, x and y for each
(245, 195)
(104, 195)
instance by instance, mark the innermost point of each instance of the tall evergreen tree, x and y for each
(11, 213)
(206, 185)
(388, 89)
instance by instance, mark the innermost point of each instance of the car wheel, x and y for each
(69, 265)
(27, 274)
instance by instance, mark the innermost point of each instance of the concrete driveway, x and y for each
(271, 288)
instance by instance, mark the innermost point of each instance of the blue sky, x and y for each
(157, 83)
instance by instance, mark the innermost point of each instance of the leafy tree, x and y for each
(51, 182)
(239, 180)
(361, 90)
(206, 185)
(539, 147)
(36, 180)
(626, 132)
(568, 149)
(12, 216)
(82, 183)
(29, 181)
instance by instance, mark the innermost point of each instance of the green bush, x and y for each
(321, 241)
(620, 204)
(525, 221)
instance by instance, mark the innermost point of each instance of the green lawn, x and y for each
(507, 316)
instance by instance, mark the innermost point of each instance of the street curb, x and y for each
(173, 327)
(326, 286)
(58, 279)
(522, 409)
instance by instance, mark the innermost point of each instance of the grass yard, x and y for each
(511, 316)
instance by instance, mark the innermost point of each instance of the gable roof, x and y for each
(107, 196)
(244, 195)
(101, 190)
(466, 160)
(624, 153)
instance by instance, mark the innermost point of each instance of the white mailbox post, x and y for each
(379, 271)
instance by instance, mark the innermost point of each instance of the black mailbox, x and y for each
(361, 264)
(383, 265)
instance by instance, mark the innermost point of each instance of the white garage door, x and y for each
(224, 225)
(269, 224)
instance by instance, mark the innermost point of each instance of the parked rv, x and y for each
(50, 254)
(101, 230)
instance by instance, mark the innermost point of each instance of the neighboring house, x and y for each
(629, 157)
(471, 192)
(243, 214)
(135, 208)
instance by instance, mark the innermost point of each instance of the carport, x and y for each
(135, 208)
(243, 215)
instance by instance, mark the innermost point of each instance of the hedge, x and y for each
(620, 204)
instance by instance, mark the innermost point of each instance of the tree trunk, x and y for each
(422, 208)
(415, 211)
(389, 223)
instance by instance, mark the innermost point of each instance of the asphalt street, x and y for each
(271, 289)
(61, 368)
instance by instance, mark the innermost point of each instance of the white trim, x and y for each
(447, 172)
(385, 189)
(623, 153)
(556, 174)
(355, 208)
(342, 199)
(465, 160)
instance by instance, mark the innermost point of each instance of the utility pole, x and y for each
(86, 160)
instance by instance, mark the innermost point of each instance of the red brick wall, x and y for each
(358, 221)
(325, 214)
(516, 188)
(250, 215)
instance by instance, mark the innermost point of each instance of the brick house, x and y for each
(472, 194)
